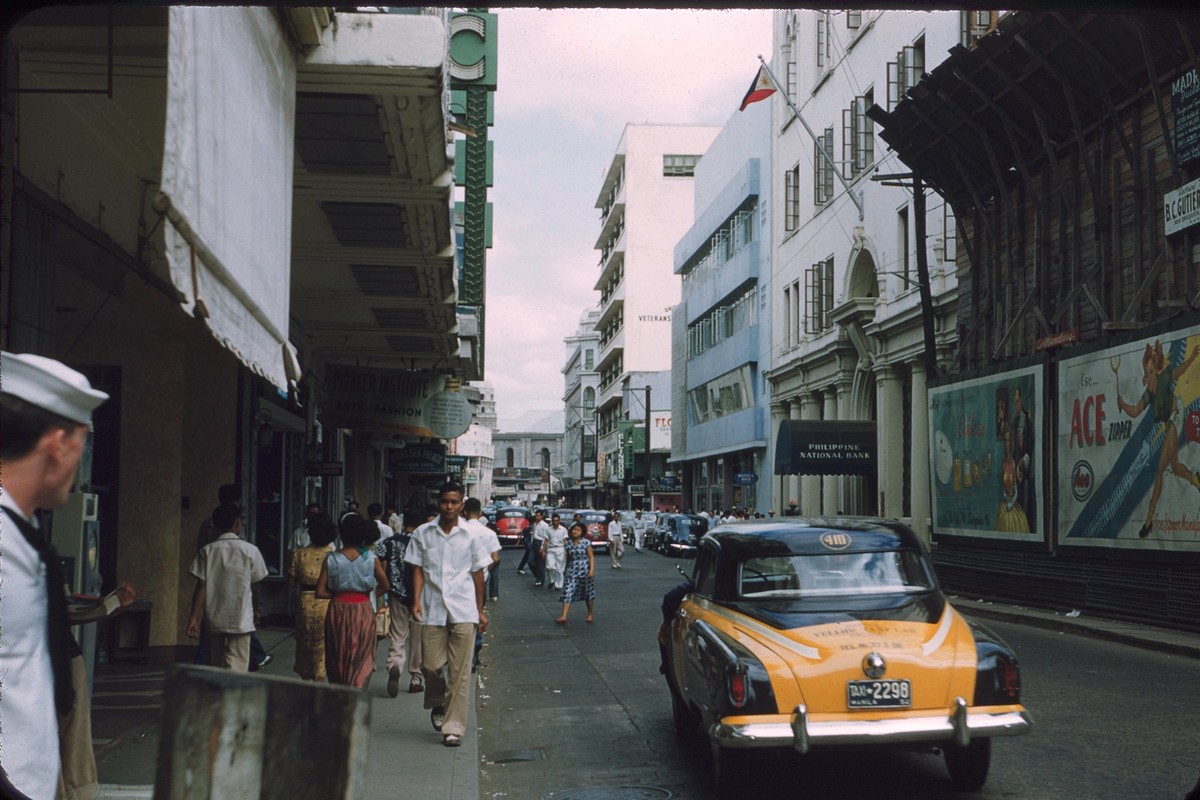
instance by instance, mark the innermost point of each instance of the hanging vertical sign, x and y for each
(1185, 105)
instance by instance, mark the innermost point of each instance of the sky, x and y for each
(569, 80)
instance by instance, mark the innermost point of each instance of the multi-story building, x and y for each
(1064, 436)
(645, 204)
(720, 436)
(581, 383)
(851, 357)
(237, 222)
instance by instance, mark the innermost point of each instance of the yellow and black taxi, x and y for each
(796, 633)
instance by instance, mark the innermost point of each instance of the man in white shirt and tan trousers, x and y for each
(449, 568)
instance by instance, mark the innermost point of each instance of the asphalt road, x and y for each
(581, 712)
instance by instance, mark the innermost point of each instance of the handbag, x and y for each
(382, 623)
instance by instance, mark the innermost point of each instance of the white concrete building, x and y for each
(645, 203)
(581, 384)
(847, 327)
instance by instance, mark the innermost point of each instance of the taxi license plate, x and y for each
(879, 694)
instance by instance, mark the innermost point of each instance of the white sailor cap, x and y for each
(50, 385)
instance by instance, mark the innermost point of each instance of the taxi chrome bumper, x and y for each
(959, 726)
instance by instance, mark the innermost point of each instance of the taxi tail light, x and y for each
(1009, 679)
(737, 689)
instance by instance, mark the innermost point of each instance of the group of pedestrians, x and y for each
(562, 557)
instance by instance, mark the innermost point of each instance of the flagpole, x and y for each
(855, 196)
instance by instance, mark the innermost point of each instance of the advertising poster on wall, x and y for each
(1129, 445)
(985, 449)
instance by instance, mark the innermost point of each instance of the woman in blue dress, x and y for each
(579, 583)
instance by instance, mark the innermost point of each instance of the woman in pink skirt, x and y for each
(348, 577)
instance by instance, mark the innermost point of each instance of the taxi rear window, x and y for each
(803, 576)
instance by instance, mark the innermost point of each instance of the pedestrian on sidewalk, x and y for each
(228, 494)
(404, 632)
(45, 413)
(616, 540)
(348, 577)
(303, 573)
(580, 573)
(227, 573)
(473, 513)
(554, 554)
(449, 565)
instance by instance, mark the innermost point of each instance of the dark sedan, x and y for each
(678, 534)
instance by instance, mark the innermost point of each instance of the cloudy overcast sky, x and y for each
(569, 81)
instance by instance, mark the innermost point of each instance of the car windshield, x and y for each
(692, 527)
(833, 574)
(512, 512)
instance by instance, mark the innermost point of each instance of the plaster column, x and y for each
(920, 458)
(793, 481)
(779, 488)
(810, 485)
(890, 440)
(847, 501)
(831, 494)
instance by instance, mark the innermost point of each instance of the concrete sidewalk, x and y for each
(406, 756)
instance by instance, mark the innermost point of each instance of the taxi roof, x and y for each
(801, 535)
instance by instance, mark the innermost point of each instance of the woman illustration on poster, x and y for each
(1010, 516)
(1159, 396)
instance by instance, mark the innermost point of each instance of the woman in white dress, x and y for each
(554, 553)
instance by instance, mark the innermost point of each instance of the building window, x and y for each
(949, 233)
(791, 80)
(823, 168)
(853, 20)
(858, 135)
(545, 459)
(508, 458)
(975, 24)
(791, 199)
(589, 359)
(791, 315)
(905, 71)
(819, 296)
(722, 322)
(589, 403)
(902, 243)
(824, 46)
(675, 166)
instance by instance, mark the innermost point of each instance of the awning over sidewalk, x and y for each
(226, 186)
(820, 447)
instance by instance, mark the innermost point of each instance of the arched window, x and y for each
(508, 458)
(545, 458)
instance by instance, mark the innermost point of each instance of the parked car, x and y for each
(801, 633)
(595, 524)
(511, 522)
(678, 534)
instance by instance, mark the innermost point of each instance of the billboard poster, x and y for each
(1129, 445)
(985, 448)
(410, 403)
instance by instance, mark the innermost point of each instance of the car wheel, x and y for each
(968, 766)
(731, 780)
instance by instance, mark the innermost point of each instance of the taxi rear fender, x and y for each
(725, 677)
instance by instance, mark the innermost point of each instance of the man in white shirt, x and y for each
(541, 532)
(473, 515)
(616, 540)
(639, 530)
(45, 412)
(227, 573)
(449, 565)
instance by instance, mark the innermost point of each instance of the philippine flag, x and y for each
(762, 88)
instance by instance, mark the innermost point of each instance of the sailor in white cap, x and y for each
(45, 412)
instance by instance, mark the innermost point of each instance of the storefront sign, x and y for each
(406, 402)
(1181, 208)
(745, 478)
(326, 468)
(1128, 445)
(985, 439)
(1185, 105)
(1069, 336)
(456, 463)
(428, 458)
(819, 447)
